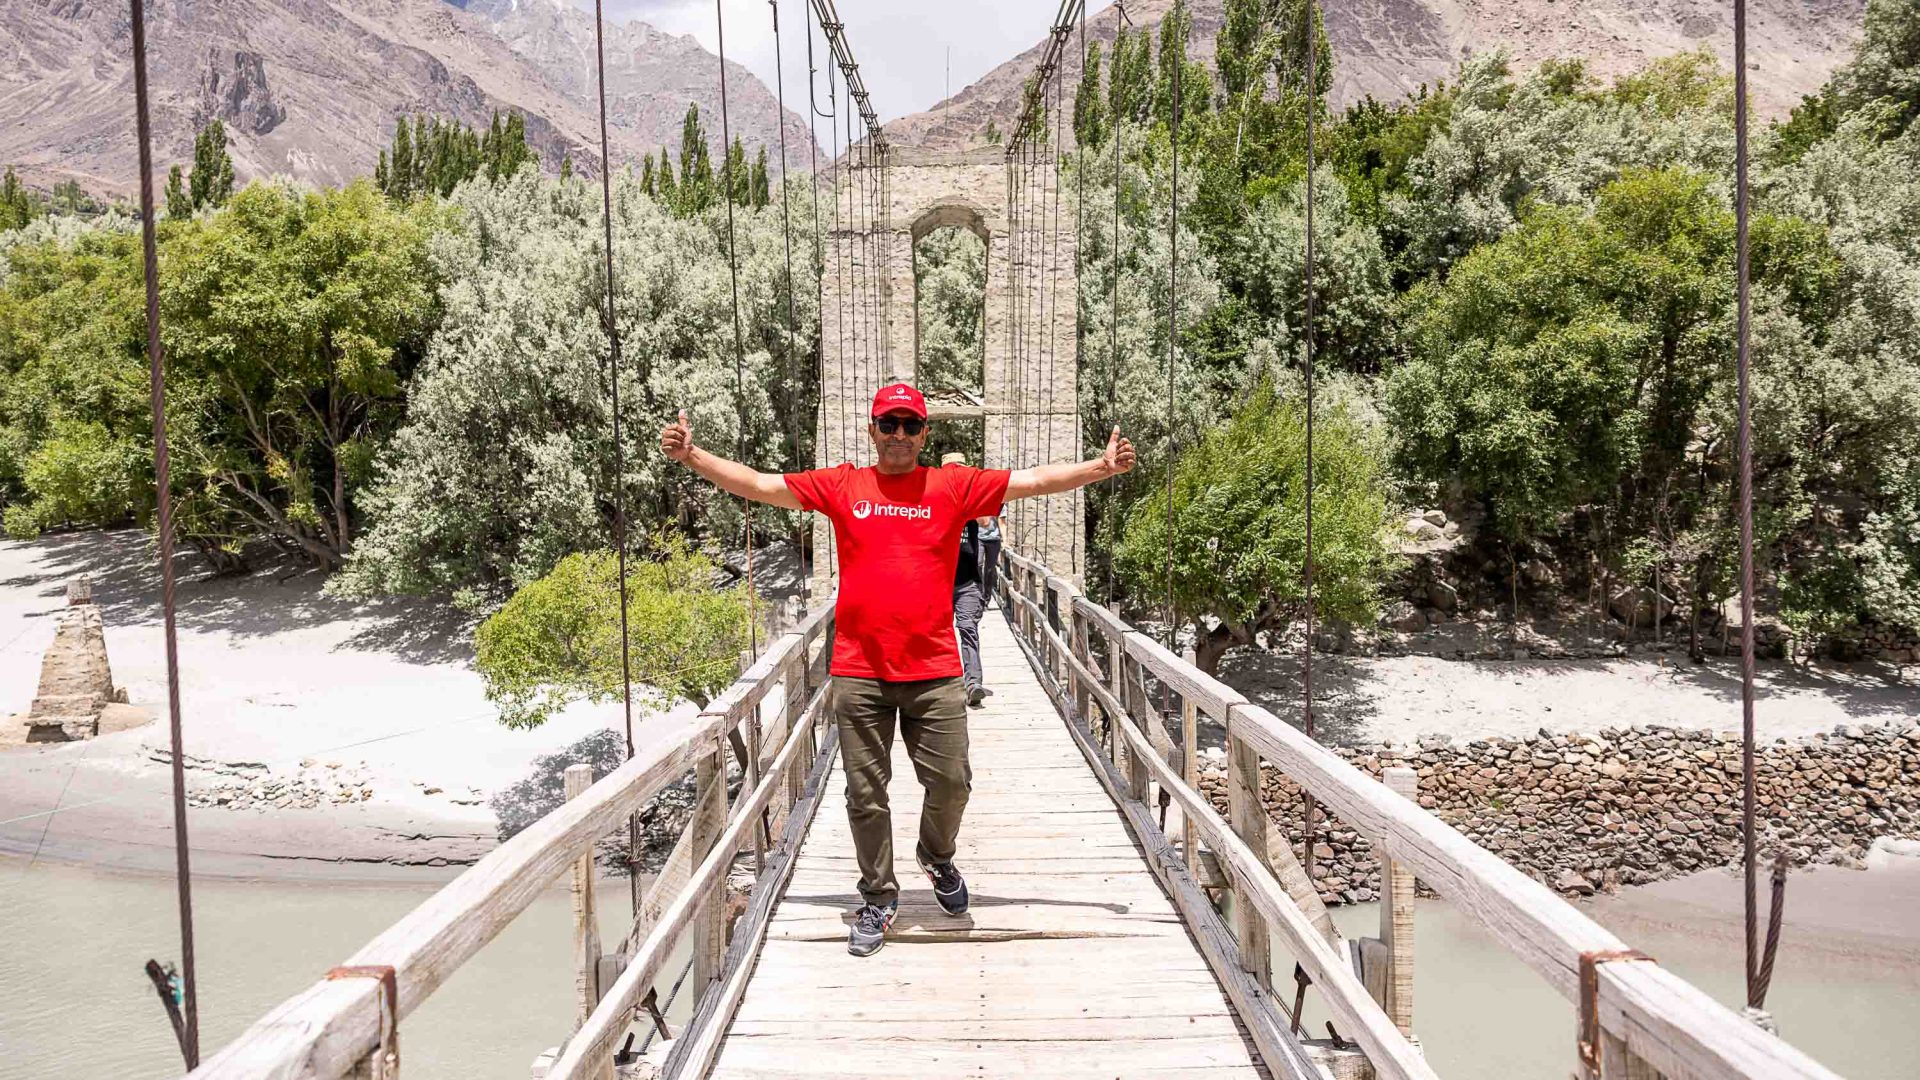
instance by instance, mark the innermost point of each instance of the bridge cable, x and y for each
(819, 255)
(619, 460)
(840, 298)
(1120, 23)
(786, 235)
(739, 334)
(1053, 320)
(1759, 968)
(186, 993)
(1306, 652)
(1173, 320)
(1079, 338)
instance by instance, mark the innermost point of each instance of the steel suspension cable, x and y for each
(619, 460)
(1120, 24)
(819, 255)
(786, 236)
(1756, 985)
(840, 276)
(739, 332)
(188, 996)
(1053, 337)
(1173, 317)
(1306, 653)
(1079, 339)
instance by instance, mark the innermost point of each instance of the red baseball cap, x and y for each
(897, 397)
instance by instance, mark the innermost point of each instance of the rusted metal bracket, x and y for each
(386, 1060)
(1590, 1002)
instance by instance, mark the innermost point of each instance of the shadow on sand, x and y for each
(278, 595)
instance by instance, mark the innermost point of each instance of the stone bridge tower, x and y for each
(1030, 408)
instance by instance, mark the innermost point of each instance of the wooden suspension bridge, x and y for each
(1096, 945)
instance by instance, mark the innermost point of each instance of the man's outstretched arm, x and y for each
(676, 441)
(1051, 479)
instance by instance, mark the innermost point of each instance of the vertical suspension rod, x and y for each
(739, 333)
(157, 391)
(1756, 990)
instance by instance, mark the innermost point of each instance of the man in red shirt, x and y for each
(897, 527)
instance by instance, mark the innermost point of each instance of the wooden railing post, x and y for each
(1396, 913)
(586, 922)
(750, 779)
(1251, 825)
(586, 929)
(1135, 698)
(709, 818)
(1082, 695)
(795, 709)
(1116, 680)
(1190, 775)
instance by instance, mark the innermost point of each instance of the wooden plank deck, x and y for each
(1071, 964)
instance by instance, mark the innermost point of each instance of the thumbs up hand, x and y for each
(676, 439)
(1119, 455)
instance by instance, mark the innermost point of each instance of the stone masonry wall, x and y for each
(1626, 806)
(869, 330)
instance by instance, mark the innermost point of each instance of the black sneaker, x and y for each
(948, 886)
(870, 928)
(976, 697)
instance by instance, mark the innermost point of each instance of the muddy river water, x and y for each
(75, 1003)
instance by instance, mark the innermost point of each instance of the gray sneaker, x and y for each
(869, 930)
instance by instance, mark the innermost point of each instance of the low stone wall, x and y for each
(1626, 806)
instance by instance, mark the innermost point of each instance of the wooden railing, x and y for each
(1648, 1021)
(340, 1026)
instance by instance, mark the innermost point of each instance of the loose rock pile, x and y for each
(257, 788)
(1627, 806)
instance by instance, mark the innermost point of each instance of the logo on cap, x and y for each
(899, 396)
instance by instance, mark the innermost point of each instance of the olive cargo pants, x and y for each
(932, 717)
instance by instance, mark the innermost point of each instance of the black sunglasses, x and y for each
(911, 425)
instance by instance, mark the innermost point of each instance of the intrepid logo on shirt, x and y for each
(865, 508)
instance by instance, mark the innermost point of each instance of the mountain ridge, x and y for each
(1388, 48)
(312, 88)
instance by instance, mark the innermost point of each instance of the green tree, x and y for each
(1090, 102)
(178, 204)
(301, 380)
(16, 206)
(761, 185)
(212, 180)
(74, 434)
(1195, 85)
(1239, 525)
(735, 179)
(1566, 363)
(1354, 301)
(81, 475)
(663, 176)
(400, 172)
(696, 188)
(1130, 82)
(557, 639)
(504, 464)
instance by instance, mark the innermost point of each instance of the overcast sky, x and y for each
(903, 46)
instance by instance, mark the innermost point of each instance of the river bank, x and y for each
(1588, 813)
(281, 685)
(353, 741)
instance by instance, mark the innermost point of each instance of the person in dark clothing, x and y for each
(969, 602)
(989, 556)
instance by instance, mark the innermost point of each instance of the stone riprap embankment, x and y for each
(1625, 806)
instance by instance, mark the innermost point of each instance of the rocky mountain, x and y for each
(1386, 48)
(311, 88)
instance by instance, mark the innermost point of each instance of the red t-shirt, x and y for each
(899, 540)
